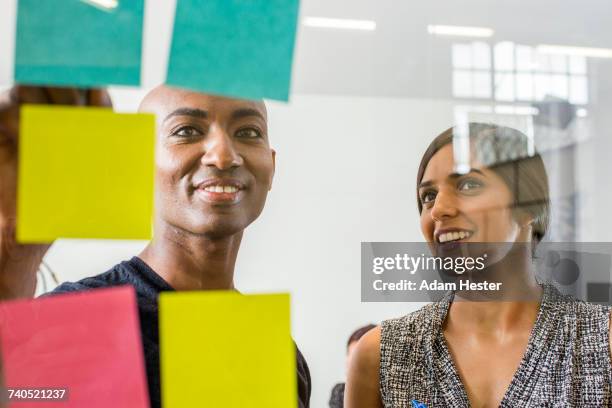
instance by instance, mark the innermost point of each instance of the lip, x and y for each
(219, 182)
(219, 197)
(447, 230)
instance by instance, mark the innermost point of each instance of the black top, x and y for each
(148, 285)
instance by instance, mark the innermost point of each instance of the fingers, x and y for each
(99, 97)
(65, 96)
(22, 94)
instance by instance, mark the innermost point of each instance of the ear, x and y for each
(525, 221)
(273, 152)
(523, 217)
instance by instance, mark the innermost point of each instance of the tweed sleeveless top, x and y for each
(566, 363)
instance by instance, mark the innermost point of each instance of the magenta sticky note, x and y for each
(85, 343)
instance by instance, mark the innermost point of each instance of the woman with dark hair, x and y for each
(535, 347)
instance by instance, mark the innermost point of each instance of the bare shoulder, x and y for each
(367, 352)
(363, 384)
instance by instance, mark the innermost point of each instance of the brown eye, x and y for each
(428, 197)
(248, 133)
(469, 184)
(187, 131)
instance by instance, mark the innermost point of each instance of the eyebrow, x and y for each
(202, 114)
(246, 112)
(451, 176)
(193, 112)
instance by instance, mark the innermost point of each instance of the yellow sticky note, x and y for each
(84, 173)
(224, 349)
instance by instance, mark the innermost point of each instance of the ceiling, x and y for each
(400, 58)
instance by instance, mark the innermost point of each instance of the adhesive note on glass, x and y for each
(84, 173)
(224, 349)
(239, 48)
(79, 42)
(79, 350)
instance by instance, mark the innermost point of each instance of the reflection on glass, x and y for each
(462, 56)
(504, 87)
(578, 93)
(520, 73)
(577, 64)
(462, 84)
(472, 70)
(542, 63)
(525, 60)
(524, 87)
(542, 86)
(504, 56)
(558, 63)
(481, 55)
(481, 85)
(558, 86)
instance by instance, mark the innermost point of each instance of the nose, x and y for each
(220, 151)
(445, 206)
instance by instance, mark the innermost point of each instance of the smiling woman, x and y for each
(534, 348)
(502, 153)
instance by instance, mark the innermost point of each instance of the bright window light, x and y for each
(460, 31)
(323, 22)
(581, 51)
(582, 113)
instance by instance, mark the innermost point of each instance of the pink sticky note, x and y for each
(87, 343)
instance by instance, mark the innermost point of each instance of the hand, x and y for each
(19, 263)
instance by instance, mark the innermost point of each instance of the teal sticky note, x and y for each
(79, 42)
(238, 48)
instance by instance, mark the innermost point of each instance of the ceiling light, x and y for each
(460, 31)
(582, 51)
(323, 22)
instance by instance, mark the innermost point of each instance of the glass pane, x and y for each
(524, 87)
(462, 56)
(542, 86)
(524, 58)
(504, 87)
(579, 92)
(558, 63)
(559, 85)
(504, 56)
(481, 83)
(481, 53)
(577, 64)
(542, 62)
(462, 84)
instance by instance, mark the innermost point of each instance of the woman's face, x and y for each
(474, 207)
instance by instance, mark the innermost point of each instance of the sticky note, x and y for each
(79, 42)
(86, 343)
(84, 173)
(238, 48)
(224, 349)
